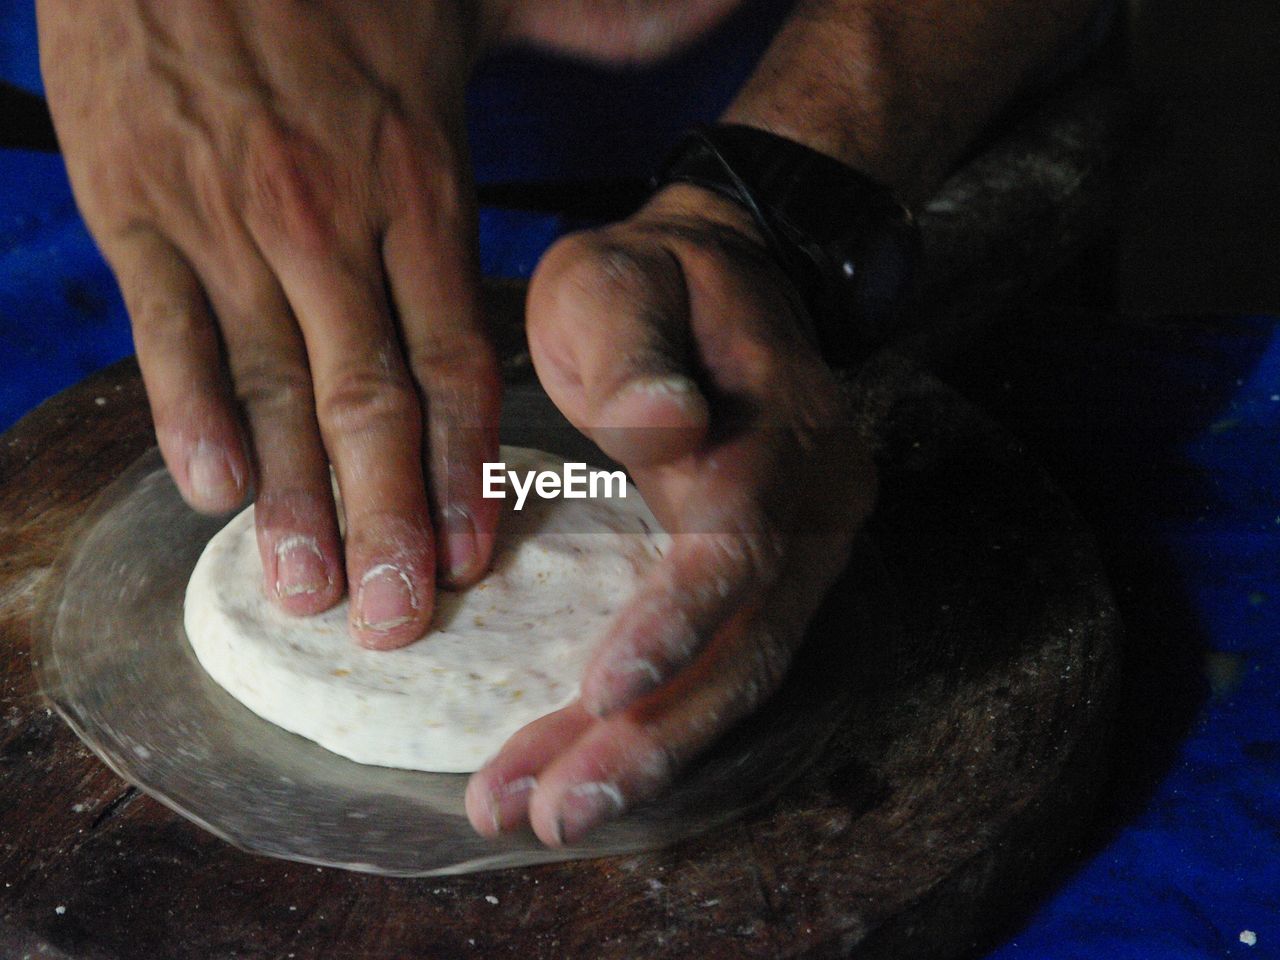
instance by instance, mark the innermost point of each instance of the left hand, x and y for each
(676, 345)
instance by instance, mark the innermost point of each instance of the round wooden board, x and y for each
(936, 815)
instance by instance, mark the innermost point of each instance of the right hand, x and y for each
(282, 190)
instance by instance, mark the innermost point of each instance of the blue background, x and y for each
(1163, 430)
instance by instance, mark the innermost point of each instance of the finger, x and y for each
(633, 756)
(785, 481)
(497, 797)
(295, 515)
(704, 579)
(686, 591)
(370, 421)
(735, 527)
(609, 336)
(729, 532)
(434, 285)
(178, 350)
(569, 771)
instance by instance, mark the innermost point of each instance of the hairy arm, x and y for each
(896, 88)
(899, 88)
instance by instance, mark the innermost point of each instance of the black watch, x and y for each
(849, 247)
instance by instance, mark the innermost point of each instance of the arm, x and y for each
(676, 344)
(894, 88)
(899, 89)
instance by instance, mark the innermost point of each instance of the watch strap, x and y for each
(842, 239)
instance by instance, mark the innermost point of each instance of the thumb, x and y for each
(609, 335)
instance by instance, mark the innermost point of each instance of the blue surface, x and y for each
(19, 58)
(61, 317)
(1165, 435)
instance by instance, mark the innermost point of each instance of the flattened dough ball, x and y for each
(498, 655)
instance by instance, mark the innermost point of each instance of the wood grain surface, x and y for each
(935, 817)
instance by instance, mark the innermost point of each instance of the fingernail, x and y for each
(508, 803)
(631, 680)
(460, 542)
(673, 385)
(300, 567)
(586, 806)
(213, 481)
(387, 599)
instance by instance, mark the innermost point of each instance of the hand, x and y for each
(675, 344)
(282, 192)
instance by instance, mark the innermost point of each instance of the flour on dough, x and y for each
(498, 655)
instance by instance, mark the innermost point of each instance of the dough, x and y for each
(498, 655)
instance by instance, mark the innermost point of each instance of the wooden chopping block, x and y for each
(933, 820)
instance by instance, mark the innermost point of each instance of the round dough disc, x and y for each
(502, 653)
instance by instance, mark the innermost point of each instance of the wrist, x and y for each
(827, 131)
(849, 107)
(687, 202)
(845, 243)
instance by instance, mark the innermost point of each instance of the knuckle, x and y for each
(770, 660)
(285, 188)
(284, 508)
(453, 355)
(262, 385)
(161, 318)
(404, 541)
(611, 274)
(750, 550)
(614, 269)
(212, 201)
(619, 266)
(111, 190)
(460, 415)
(594, 263)
(167, 314)
(419, 166)
(653, 761)
(460, 381)
(362, 400)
